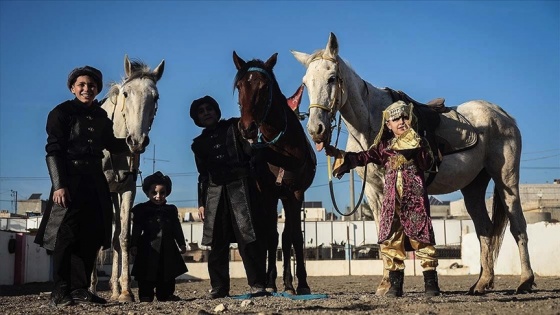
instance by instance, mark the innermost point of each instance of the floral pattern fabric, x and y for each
(414, 204)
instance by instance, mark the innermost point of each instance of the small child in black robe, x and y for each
(156, 233)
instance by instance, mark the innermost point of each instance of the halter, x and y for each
(261, 142)
(330, 108)
(135, 158)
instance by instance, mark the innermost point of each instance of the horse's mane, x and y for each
(139, 70)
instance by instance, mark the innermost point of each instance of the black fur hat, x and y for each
(89, 71)
(203, 100)
(157, 178)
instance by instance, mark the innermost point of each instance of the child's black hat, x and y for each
(157, 178)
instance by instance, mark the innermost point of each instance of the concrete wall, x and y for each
(29, 262)
(544, 251)
(322, 268)
(6, 259)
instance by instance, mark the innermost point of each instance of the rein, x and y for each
(331, 108)
(261, 142)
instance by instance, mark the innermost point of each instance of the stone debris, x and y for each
(246, 303)
(220, 308)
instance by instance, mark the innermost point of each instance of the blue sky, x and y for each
(506, 52)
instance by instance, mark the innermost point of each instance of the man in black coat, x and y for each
(226, 198)
(78, 218)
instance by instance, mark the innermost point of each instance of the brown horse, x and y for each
(285, 162)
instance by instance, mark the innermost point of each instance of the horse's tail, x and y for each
(499, 223)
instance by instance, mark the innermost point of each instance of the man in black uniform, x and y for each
(226, 198)
(78, 218)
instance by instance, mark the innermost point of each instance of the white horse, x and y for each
(132, 106)
(334, 86)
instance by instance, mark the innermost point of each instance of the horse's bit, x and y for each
(261, 142)
(331, 108)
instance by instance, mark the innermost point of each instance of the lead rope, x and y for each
(329, 170)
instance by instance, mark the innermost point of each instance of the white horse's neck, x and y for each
(361, 110)
(113, 106)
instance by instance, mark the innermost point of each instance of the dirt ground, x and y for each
(346, 295)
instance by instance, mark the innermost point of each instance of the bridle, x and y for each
(261, 142)
(331, 109)
(134, 165)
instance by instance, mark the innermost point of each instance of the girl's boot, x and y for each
(396, 278)
(431, 286)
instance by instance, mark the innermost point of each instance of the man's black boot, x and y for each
(61, 297)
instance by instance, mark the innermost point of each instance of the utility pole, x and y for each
(14, 202)
(352, 201)
(154, 160)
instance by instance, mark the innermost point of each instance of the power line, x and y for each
(543, 151)
(541, 158)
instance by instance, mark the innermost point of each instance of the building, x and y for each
(311, 211)
(540, 202)
(33, 206)
(439, 209)
(188, 214)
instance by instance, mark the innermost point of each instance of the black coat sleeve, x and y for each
(176, 227)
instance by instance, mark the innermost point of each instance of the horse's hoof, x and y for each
(271, 289)
(126, 298)
(474, 291)
(303, 291)
(381, 291)
(383, 287)
(290, 291)
(525, 288)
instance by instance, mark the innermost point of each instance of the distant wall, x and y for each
(6, 259)
(544, 251)
(29, 262)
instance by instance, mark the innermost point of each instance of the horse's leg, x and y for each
(474, 194)
(94, 279)
(374, 194)
(287, 277)
(297, 240)
(271, 248)
(384, 284)
(113, 281)
(124, 280)
(507, 196)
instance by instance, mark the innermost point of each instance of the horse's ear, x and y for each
(158, 71)
(127, 66)
(295, 100)
(332, 47)
(271, 62)
(301, 57)
(239, 63)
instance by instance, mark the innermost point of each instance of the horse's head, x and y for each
(325, 90)
(132, 105)
(255, 83)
